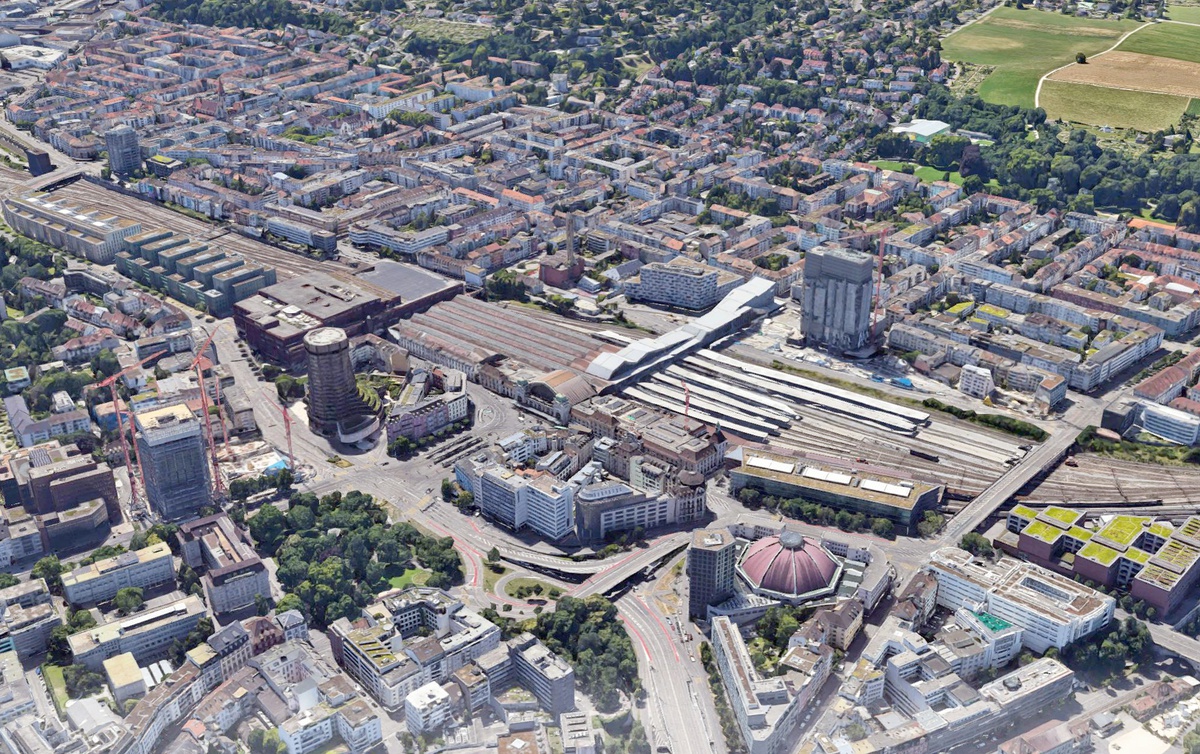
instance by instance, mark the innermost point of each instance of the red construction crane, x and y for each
(111, 384)
(218, 483)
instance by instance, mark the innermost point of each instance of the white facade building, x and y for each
(976, 381)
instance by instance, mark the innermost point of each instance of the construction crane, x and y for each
(218, 483)
(111, 384)
(287, 428)
(877, 304)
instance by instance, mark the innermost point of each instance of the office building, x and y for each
(837, 299)
(846, 486)
(87, 231)
(146, 568)
(232, 574)
(711, 561)
(332, 392)
(1053, 610)
(124, 152)
(578, 733)
(148, 634)
(16, 696)
(1171, 424)
(27, 617)
(170, 446)
(541, 502)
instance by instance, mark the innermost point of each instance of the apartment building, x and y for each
(681, 283)
(147, 568)
(90, 232)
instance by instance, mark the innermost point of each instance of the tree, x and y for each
(493, 555)
(81, 681)
(944, 150)
(105, 364)
(882, 527)
(50, 569)
(7, 580)
(128, 600)
(288, 602)
(267, 527)
(976, 544)
(1080, 58)
(447, 490)
(930, 524)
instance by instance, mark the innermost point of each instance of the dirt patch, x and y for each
(1058, 31)
(1136, 72)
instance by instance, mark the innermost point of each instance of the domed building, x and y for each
(790, 567)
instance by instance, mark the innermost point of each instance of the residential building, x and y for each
(124, 152)
(550, 679)
(681, 283)
(427, 709)
(975, 381)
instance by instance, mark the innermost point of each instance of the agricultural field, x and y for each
(1024, 45)
(1105, 106)
(1187, 13)
(1135, 71)
(1174, 41)
(1147, 83)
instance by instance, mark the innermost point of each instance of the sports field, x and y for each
(1024, 45)
(1105, 106)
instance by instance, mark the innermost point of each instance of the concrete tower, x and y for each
(124, 153)
(170, 444)
(711, 561)
(332, 394)
(837, 299)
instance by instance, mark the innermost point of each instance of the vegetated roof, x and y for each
(1136, 555)
(1122, 529)
(1099, 553)
(1067, 516)
(1043, 531)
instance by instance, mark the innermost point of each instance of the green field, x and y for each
(1098, 105)
(1186, 13)
(53, 676)
(1176, 41)
(1024, 45)
(442, 30)
(410, 577)
(1194, 108)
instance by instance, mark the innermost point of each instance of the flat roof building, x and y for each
(174, 460)
(233, 574)
(146, 568)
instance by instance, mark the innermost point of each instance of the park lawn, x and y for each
(511, 587)
(1193, 108)
(1175, 41)
(53, 676)
(924, 172)
(490, 576)
(1024, 45)
(410, 577)
(1102, 106)
(1189, 14)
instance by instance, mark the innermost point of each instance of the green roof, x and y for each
(1136, 555)
(1080, 533)
(1123, 529)
(1161, 529)
(1067, 516)
(1024, 511)
(994, 311)
(1043, 531)
(1103, 555)
(1178, 554)
(961, 307)
(991, 622)
(1191, 527)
